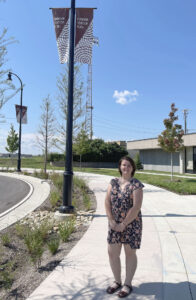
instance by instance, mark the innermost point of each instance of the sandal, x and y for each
(112, 290)
(123, 294)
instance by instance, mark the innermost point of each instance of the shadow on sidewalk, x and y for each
(92, 290)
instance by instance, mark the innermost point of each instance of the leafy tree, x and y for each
(46, 129)
(170, 139)
(78, 106)
(12, 141)
(100, 151)
(138, 162)
(80, 145)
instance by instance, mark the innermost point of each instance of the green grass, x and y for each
(179, 185)
(36, 162)
(183, 186)
(167, 173)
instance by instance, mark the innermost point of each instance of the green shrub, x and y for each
(6, 274)
(53, 244)
(57, 180)
(5, 239)
(35, 238)
(54, 156)
(34, 244)
(21, 230)
(42, 229)
(43, 175)
(138, 162)
(86, 201)
(54, 198)
(66, 228)
(79, 182)
(35, 173)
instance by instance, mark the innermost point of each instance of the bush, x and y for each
(54, 198)
(66, 228)
(138, 162)
(6, 274)
(100, 151)
(21, 230)
(53, 244)
(34, 239)
(54, 156)
(79, 182)
(5, 239)
(87, 201)
(57, 180)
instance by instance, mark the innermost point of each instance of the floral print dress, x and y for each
(121, 202)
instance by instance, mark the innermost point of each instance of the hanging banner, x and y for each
(24, 114)
(61, 24)
(84, 35)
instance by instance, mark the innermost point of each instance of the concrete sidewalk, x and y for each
(166, 261)
(39, 191)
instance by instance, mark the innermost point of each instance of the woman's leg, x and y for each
(131, 263)
(114, 258)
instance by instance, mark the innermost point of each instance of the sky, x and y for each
(145, 61)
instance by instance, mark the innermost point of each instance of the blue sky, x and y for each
(145, 61)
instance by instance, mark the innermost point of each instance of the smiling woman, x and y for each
(123, 207)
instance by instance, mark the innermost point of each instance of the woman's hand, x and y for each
(120, 227)
(112, 224)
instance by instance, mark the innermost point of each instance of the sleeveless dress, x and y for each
(121, 202)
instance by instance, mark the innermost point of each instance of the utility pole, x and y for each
(185, 112)
(89, 100)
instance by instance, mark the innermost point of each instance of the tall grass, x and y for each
(66, 228)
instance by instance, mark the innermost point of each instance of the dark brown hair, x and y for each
(129, 159)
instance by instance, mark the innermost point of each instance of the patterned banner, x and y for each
(24, 114)
(84, 35)
(61, 24)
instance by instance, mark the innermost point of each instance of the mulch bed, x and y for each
(26, 277)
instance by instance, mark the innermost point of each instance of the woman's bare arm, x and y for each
(108, 209)
(133, 211)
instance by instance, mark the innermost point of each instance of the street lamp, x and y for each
(68, 174)
(20, 127)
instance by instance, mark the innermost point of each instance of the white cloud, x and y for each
(125, 97)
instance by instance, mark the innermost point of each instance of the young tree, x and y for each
(81, 144)
(78, 106)
(12, 141)
(170, 139)
(138, 162)
(46, 129)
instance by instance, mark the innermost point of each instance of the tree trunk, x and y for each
(80, 161)
(46, 139)
(171, 166)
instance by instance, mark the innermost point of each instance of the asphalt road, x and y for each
(12, 191)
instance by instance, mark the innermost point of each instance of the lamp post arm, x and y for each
(18, 78)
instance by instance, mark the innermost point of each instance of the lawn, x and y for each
(180, 185)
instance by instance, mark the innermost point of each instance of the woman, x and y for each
(123, 203)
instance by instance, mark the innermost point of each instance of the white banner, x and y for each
(23, 110)
(61, 24)
(84, 35)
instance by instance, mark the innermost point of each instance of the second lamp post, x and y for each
(20, 120)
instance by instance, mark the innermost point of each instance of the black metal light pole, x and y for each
(20, 123)
(68, 174)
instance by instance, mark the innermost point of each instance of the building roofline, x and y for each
(156, 138)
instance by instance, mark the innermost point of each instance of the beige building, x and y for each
(154, 158)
